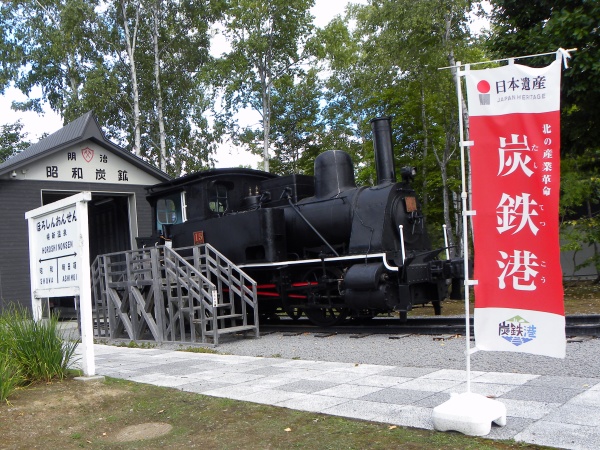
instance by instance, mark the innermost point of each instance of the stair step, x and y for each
(236, 329)
(229, 316)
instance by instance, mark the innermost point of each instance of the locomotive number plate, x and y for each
(198, 237)
(411, 204)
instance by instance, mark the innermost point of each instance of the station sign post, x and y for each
(59, 262)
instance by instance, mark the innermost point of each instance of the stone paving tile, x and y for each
(230, 377)
(220, 367)
(527, 409)
(363, 369)
(575, 415)
(205, 366)
(409, 372)
(433, 400)
(413, 416)
(350, 391)
(360, 409)
(508, 431)
(201, 386)
(487, 389)
(381, 381)
(234, 391)
(396, 396)
(426, 384)
(273, 382)
(301, 373)
(450, 374)
(305, 364)
(560, 435)
(563, 382)
(542, 394)
(271, 396)
(311, 402)
(263, 362)
(595, 387)
(337, 376)
(179, 368)
(307, 386)
(587, 398)
(268, 371)
(129, 365)
(116, 373)
(505, 378)
(160, 380)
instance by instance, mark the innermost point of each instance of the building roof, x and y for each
(82, 129)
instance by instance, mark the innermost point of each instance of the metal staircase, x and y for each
(191, 294)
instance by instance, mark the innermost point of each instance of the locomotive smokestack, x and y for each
(384, 153)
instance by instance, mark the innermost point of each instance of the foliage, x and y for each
(12, 140)
(296, 126)
(76, 52)
(10, 377)
(268, 40)
(388, 65)
(50, 45)
(522, 29)
(35, 349)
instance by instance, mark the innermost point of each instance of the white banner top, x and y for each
(513, 88)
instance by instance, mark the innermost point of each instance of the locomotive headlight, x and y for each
(408, 174)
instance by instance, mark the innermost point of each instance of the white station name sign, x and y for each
(57, 233)
(56, 249)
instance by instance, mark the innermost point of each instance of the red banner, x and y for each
(515, 170)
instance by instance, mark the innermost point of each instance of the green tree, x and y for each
(296, 126)
(50, 44)
(388, 65)
(137, 64)
(12, 140)
(268, 41)
(531, 28)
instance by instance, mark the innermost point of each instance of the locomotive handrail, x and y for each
(383, 256)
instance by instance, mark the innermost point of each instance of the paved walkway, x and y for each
(561, 412)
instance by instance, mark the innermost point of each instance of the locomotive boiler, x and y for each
(316, 245)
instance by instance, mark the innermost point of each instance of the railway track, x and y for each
(580, 325)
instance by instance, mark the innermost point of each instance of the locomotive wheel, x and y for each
(325, 317)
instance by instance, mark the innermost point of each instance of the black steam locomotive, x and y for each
(319, 246)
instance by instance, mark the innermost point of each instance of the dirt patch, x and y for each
(148, 430)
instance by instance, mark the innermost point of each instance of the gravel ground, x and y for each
(582, 359)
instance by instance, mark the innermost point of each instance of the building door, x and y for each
(108, 223)
(108, 217)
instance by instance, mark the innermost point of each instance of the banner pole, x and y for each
(464, 223)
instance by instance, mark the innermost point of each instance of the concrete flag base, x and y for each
(469, 413)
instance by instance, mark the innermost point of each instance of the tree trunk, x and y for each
(465, 114)
(425, 147)
(159, 100)
(131, 43)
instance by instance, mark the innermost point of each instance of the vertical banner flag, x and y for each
(514, 124)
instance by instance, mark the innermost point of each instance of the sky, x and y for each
(36, 125)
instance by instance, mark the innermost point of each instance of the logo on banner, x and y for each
(87, 154)
(517, 331)
(483, 87)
